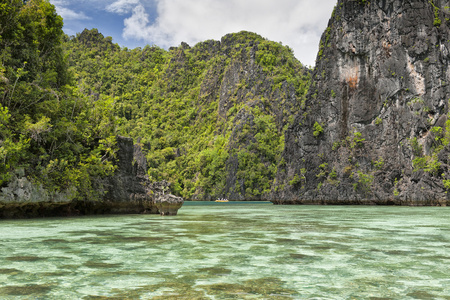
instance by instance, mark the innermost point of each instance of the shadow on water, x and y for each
(28, 258)
(101, 265)
(35, 290)
(10, 272)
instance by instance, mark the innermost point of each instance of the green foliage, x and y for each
(60, 137)
(430, 163)
(364, 182)
(379, 164)
(378, 121)
(416, 147)
(319, 186)
(446, 183)
(437, 130)
(427, 163)
(437, 21)
(295, 180)
(396, 192)
(318, 130)
(357, 140)
(299, 179)
(324, 42)
(258, 159)
(13, 149)
(336, 145)
(333, 174)
(333, 178)
(323, 170)
(31, 38)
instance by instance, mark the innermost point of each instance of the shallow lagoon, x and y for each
(231, 251)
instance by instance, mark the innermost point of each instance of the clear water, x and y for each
(231, 251)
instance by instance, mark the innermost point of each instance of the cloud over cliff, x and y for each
(297, 23)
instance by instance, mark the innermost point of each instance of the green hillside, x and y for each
(211, 118)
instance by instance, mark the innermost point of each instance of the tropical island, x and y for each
(89, 127)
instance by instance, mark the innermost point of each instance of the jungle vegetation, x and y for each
(211, 117)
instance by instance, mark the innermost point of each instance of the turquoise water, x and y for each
(231, 251)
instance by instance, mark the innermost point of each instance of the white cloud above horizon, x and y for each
(296, 23)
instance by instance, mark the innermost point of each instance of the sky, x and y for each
(166, 23)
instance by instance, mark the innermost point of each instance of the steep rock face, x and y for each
(126, 191)
(374, 130)
(258, 123)
(129, 190)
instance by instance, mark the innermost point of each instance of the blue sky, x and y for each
(166, 23)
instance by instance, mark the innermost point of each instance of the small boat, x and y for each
(221, 200)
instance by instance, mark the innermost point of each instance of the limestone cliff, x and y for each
(128, 190)
(374, 129)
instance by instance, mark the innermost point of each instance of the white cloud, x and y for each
(122, 6)
(67, 13)
(297, 23)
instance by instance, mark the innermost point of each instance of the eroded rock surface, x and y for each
(166, 203)
(369, 133)
(126, 191)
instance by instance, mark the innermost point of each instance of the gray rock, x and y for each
(380, 84)
(21, 190)
(129, 180)
(131, 186)
(167, 204)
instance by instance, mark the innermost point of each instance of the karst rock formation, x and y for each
(374, 128)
